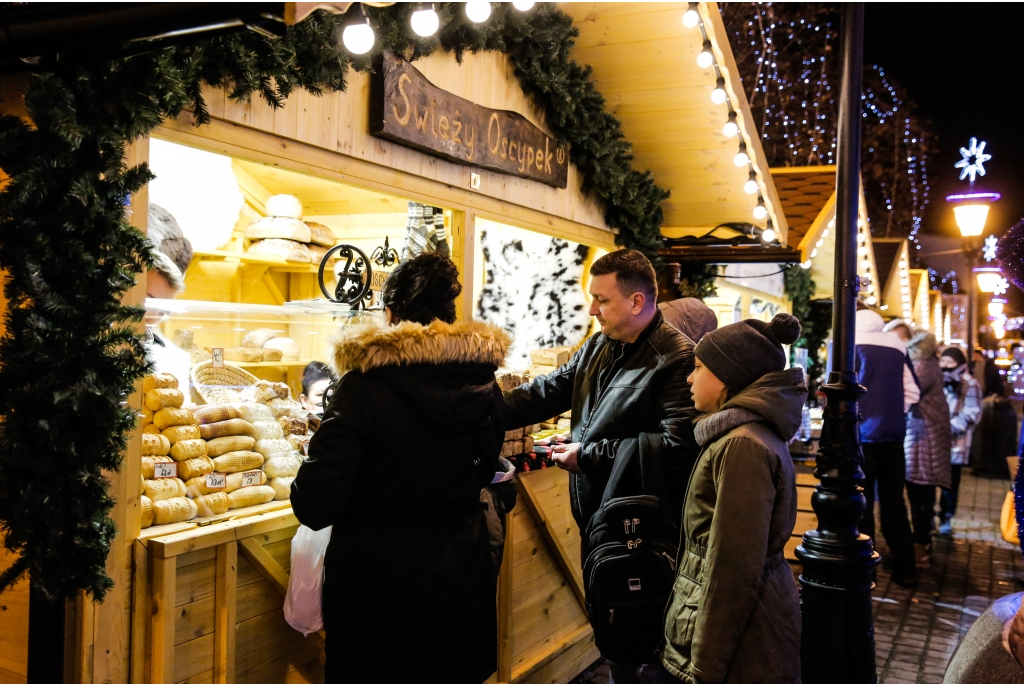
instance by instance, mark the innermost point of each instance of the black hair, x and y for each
(423, 289)
(313, 373)
(633, 272)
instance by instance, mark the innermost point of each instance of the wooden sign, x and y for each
(407, 108)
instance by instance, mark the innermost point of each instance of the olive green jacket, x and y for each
(734, 614)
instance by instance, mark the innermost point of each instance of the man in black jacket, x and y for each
(628, 380)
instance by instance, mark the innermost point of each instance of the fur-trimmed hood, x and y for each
(368, 346)
(922, 346)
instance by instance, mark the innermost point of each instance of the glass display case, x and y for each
(273, 343)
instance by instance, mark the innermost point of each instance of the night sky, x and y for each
(961, 64)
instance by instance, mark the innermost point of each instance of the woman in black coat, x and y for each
(411, 434)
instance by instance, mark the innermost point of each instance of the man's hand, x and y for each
(566, 457)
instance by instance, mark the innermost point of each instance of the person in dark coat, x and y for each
(410, 436)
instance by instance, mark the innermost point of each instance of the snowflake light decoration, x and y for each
(973, 162)
(990, 248)
(1002, 287)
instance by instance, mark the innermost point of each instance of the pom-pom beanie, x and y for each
(740, 353)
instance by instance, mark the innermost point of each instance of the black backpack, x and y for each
(630, 565)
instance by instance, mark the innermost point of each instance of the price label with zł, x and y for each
(216, 481)
(251, 478)
(218, 358)
(165, 470)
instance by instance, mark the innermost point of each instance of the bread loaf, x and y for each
(235, 462)
(270, 355)
(267, 430)
(281, 465)
(289, 348)
(188, 449)
(178, 433)
(214, 504)
(174, 510)
(155, 444)
(222, 429)
(282, 487)
(264, 391)
(281, 407)
(278, 229)
(247, 497)
(299, 443)
(243, 354)
(151, 429)
(293, 426)
(284, 205)
(165, 488)
(258, 337)
(321, 235)
(146, 505)
(172, 416)
(147, 464)
(197, 466)
(159, 380)
(252, 412)
(215, 413)
(147, 416)
(164, 397)
(288, 250)
(233, 481)
(269, 448)
(317, 253)
(232, 443)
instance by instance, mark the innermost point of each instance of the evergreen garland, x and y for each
(815, 320)
(71, 356)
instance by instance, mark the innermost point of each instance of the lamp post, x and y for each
(838, 640)
(971, 212)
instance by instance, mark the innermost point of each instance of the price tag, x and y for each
(216, 481)
(165, 470)
(251, 478)
(218, 358)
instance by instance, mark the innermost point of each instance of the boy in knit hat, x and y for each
(734, 615)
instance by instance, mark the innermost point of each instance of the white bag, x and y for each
(303, 606)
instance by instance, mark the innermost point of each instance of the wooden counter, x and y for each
(208, 596)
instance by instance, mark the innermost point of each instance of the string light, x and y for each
(731, 127)
(425, 21)
(706, 58)
(523, 5)
(741, 158)
(718, 94)
(760, 211)
(751, 185)
(691, 16)
(357, 36)
(478, 10)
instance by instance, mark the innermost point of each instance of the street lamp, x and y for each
(989, 278)
(971, 212)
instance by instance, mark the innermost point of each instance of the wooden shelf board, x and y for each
(272, 262)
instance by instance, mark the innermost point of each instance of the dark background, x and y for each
(961, 64)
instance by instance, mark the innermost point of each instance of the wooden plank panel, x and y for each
(547, 647)
(224, 624)
(541, 631)
(162, 660)
(13, 624)
(140, 613)
(265, 564)
(565, 662)
(554, 537)
(193, 658)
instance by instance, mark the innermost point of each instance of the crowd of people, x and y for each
(681, 423)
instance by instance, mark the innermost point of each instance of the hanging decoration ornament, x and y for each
(991, 246)
(973, 162)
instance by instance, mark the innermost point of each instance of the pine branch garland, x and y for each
(71, 356)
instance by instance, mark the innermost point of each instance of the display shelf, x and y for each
(263, 260)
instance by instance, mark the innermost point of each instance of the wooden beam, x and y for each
(225, 592)
(265, 564)
(164, 583)
(551, 537)
(218, 533)
(140, 613)
(463, 231)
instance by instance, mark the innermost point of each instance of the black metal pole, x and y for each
(838, 644)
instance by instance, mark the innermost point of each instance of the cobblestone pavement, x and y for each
(917, 631)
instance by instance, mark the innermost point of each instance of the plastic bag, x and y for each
(303, 605)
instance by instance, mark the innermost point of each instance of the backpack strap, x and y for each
(652, 469)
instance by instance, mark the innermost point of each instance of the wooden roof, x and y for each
(644, 63)
(803, 193)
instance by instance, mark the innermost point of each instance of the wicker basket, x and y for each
(226, 385)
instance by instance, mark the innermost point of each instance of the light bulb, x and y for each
(523, 5)
(741, 158)
(865, 264)
(691, 17)
(358, 38)
(760, 211)
(731, 128)
(768, 235)
(478, 10)
(750, 187)
(871, 300)
(706, 58)
(425, 22)
(862, 250)
(718, 94)
(805, 265)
